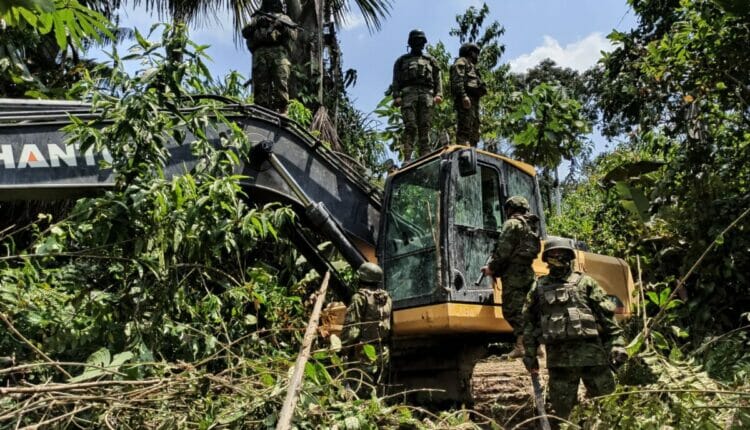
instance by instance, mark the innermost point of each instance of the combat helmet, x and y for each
(272, 6)
(468, 47)
(517, 204)
(417, 37)
(559, 243)
(370, 274)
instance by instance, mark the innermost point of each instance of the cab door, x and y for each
(475, 221)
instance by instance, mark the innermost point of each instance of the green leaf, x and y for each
(60, 34)
(120, 359)
(370, 352)
(679, 332)
(659, 340)
(100, 358)
(335, 343)
(635, 345)
(251, 319)
(664, 296)
(267, 380)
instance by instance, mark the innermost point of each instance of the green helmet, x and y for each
(517, 204)
(559, 243)
(468, 47)
(370, 273)
(417, 37)
(272, 6)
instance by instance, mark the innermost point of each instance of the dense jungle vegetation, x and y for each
(181, 304)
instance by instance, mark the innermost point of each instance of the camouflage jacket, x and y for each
(595, 340)
(465, 80)
(416, 70)
(518, 244)
(270, 29)
(368, 317)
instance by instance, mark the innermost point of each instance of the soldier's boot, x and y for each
(517, 350)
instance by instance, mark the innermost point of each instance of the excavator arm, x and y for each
(329, 192)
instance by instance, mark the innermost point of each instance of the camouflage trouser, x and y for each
(364, 373)
(416, 109)
(563, 386)
(517, 282)
(467, 131)
(271, 69)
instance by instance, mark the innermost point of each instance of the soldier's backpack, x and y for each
(264, 30)
(565, 314)
(377, 319)
(531, 243)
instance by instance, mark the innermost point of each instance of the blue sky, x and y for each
(571, 32)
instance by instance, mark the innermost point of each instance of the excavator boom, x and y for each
(329, 192)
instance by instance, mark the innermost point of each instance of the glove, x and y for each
(618, 356)
(531, 363)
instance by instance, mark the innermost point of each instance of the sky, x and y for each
(571, 32)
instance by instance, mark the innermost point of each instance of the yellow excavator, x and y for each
(431, 228)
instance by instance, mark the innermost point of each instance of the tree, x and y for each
(545, 127)
(42, 41)
(678, 85)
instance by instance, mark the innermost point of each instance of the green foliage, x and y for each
(156, 269)
(546, 126)
(39, 49)
(679, 82)
(680, 395)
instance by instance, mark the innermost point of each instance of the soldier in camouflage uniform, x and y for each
(571, 315)
(368, 321)
(516, 249)
(270, 36)
(467, 88)
(416, 88)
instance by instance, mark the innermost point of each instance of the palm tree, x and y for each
(314, 16)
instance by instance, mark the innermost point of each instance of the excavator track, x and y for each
(501, 389)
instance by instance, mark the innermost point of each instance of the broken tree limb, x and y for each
(287, 410)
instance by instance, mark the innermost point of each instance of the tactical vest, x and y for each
(415, 70)
(565, 315)
(531, 243)
(473, 82)
(376, 324)
(263, 32)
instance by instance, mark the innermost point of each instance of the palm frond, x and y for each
(373, 11)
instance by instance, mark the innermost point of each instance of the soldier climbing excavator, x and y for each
(431, 228)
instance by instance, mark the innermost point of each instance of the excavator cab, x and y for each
(442, 218)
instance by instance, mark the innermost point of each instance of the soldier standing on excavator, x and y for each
(416, 88)
(571, 315)
(467, 88)
(269, 37)
(368, 322)
(511, 260)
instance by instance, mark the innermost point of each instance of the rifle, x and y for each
(539, 400)
(275, 19)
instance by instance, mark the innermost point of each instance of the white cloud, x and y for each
(579, 55)
(353, 20)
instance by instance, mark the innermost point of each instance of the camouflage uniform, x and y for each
(368, 321)
(466, 82)
(270, 36)
(512, 260)
(417, 82)
(570, 313)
